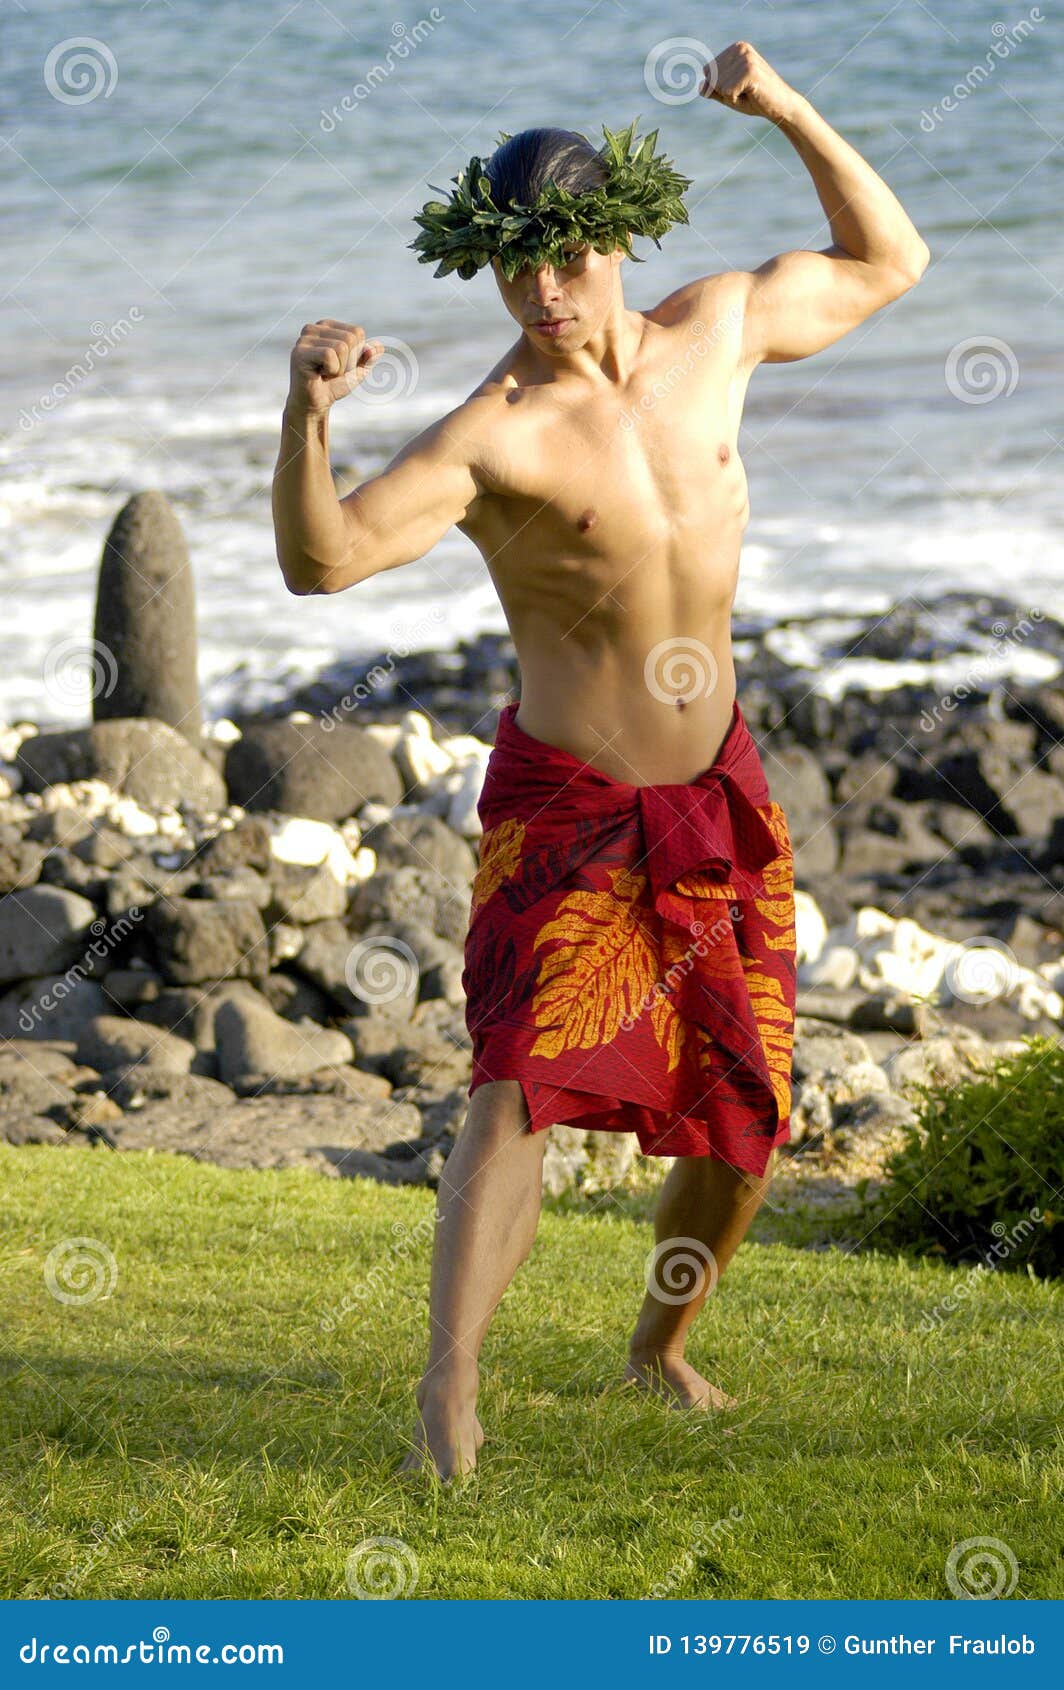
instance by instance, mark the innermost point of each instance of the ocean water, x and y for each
(185, 183)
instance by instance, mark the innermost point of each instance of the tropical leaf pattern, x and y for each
(601, 971)
(500, 853)
(626, 983)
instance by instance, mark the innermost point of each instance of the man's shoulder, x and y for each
(475, 417)
(470, 432)
(720, 298)
(485, 402)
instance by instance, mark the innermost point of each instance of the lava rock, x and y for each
(303, 894)
(41, 930)
(114, 1041)
(798, 783)
(824, 1047)
(362, 975)
(253, 1042)
(20, 861)
(54, 1006)
(147, 760)
(303, 769)
(244, 845)
(337, 1136)
(145, 630)
(198, 939)
(191, 1010)
(414, 840)
(387, 900)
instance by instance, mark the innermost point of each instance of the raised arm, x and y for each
(325, 543)
(799, 302)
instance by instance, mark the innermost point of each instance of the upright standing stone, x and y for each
(146, 619)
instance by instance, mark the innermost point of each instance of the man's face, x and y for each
(576, 297)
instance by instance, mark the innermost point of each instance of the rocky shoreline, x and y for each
(244, 942)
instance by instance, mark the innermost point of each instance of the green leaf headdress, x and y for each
(643, 195)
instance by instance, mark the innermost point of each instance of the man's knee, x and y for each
(498, 1116)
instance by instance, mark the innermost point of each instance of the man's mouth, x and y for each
(551, 325)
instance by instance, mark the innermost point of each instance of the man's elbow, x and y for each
(321, 585)
(307, 578)
(297, 578)
(296, 585)
(914, 263)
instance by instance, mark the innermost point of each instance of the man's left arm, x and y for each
(799, 302)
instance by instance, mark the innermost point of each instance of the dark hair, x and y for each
(520, 169)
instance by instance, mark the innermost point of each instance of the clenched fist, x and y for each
(739, 77)
(328, 360)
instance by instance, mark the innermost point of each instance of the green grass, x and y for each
(199, 1432)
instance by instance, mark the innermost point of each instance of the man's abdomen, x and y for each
(645, 711)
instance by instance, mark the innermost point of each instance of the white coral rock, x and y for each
(298, 839)
(810, 927)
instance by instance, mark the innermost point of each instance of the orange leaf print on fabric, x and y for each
(710, 951)
(699, 885)
(775, 1025)
(605, 970)
(500, 854)
(777, 906)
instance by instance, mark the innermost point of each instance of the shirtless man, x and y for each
(596, 470)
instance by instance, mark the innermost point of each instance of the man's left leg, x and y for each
(706, 1200)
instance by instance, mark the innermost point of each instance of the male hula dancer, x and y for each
(630, 963)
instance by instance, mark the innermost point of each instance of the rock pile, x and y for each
(228, 977)
(246, 943)
(185, 965)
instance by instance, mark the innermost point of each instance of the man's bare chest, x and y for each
(620, 468)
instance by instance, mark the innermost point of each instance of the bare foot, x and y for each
(676, 1381)
(448, 1433)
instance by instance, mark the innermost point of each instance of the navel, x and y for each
(587, 519)
(723, 453)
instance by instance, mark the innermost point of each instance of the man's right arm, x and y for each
(325, 543)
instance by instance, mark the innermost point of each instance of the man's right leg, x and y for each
(487, 1211)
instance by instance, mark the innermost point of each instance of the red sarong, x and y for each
(631, 949)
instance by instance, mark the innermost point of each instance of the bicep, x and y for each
(800, 302)
(398, 515)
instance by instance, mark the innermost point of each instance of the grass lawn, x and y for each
(228, 1420)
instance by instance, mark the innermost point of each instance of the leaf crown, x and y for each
(642, 195)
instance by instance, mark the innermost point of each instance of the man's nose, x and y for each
(544, 284)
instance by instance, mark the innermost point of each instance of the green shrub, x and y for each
(980, 1174)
